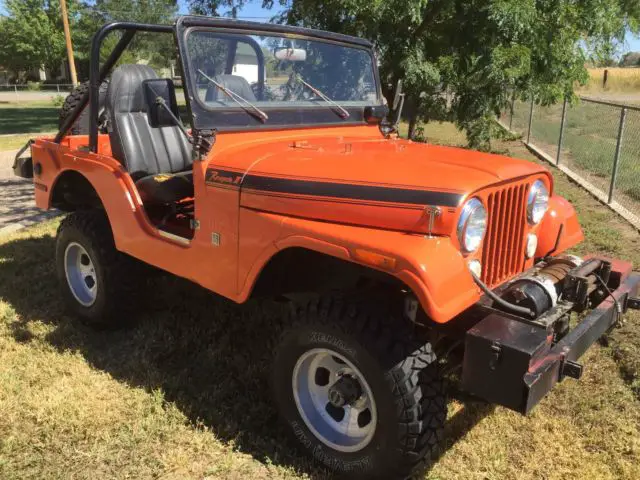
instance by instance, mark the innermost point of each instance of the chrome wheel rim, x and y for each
(322, 379)
(81, 274)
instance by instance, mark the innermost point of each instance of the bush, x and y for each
(33, 86)
(58, 100)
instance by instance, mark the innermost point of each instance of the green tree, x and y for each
(32, 35)
(477, 50)
(155, 48)
(630, 59)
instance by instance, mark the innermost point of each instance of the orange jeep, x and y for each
(405, 263)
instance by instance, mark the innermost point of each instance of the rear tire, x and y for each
(81, 126)
(95, 278)
(402, 429)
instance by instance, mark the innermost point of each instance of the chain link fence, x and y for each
(597, 143)
(15, 92)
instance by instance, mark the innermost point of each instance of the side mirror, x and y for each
(398, 104)
(399, 95)
(376, 114)
(162, 105)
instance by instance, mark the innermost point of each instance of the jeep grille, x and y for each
(504, 244)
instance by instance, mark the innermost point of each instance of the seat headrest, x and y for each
(142, 149)
(125, 92)
(234, 83)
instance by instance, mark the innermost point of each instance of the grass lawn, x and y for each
(440, 133)
(15, 141)
(33, 117)
(589, 142)
(184, 393)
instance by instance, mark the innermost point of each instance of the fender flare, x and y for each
(104, 179)
(442, 292)
(559, 229)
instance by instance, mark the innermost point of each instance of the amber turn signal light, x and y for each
(375, 259)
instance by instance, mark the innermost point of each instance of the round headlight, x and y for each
(472, 225)
(537, 203)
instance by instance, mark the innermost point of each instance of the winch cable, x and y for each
(509, 306)
(610, 293)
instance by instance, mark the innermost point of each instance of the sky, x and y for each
(633, 44)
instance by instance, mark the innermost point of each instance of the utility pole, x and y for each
(67, 37)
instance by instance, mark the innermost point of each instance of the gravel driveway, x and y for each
(632, 98)
(17, 205)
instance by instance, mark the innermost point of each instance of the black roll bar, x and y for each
(113, 58)
(98, 74)
(95, 73)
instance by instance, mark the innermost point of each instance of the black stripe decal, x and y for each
(336, 190)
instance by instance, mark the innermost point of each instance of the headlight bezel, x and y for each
(471, 207)
(538, 190)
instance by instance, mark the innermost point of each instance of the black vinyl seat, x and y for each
(158, 159)
(165, 188)
(235, 83)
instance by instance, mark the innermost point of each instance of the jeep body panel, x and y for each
(242, 228)
(394, 256)
(356, 176)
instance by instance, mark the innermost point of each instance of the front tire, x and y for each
(95, 279)
(359, 391)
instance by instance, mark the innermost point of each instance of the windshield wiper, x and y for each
(243, 102)
(341, 111)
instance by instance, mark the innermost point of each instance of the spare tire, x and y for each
(81, 126)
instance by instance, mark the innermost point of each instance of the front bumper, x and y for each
(515, 363)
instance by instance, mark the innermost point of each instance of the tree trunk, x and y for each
(413, 110)
(413, 124)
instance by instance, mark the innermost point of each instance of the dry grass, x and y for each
(183, 394)
(439, 133)
(618, 80)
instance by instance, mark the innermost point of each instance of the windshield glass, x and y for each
(274, 71)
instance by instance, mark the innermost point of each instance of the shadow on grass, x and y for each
(29, 119)
(209, 356)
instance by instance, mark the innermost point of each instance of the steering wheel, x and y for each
(309, 95)
(297, 90)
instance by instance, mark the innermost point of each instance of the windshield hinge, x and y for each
(203, 141)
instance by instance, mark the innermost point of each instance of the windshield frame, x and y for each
(233, 118)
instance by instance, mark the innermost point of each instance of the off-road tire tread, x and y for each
(415, 379)
(122, 273)
(81, 126)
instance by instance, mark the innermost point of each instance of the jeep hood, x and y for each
(370, 182)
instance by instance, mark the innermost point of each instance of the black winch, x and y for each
(539, 290)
